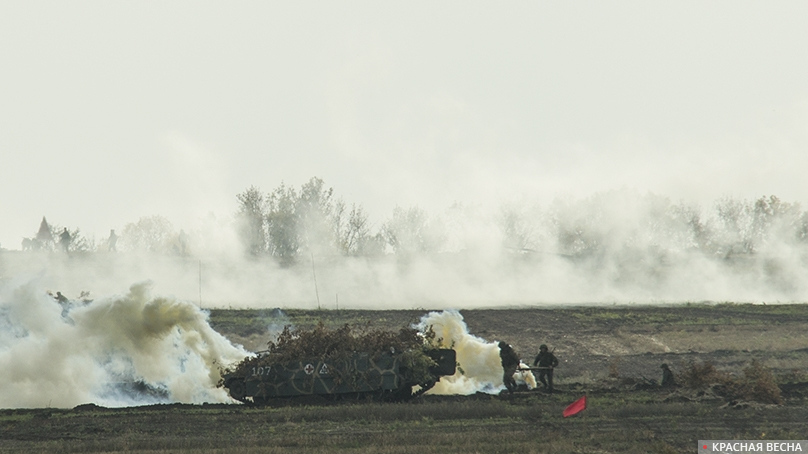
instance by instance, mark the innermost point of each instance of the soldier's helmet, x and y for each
(542, 347)
(663, 366)
(502, 344)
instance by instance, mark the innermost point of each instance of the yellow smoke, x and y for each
(479, 365)
(94, 350)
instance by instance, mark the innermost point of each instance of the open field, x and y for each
(606, 353)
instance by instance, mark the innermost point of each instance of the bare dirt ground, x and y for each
(606, 353)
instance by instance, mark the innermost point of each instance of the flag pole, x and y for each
(200, 283)
(314, 273)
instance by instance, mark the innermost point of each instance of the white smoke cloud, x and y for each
(479, 364)
(614, 247)
(123, 350)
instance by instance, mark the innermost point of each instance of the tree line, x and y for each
(291, 224)
(288, 224)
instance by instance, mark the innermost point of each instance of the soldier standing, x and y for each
(545, 361)
(510, 361)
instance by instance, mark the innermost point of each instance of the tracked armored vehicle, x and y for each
(380, 376)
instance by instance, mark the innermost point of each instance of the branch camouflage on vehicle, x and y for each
(375, 363)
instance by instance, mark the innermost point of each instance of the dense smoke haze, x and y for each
(127, 349)
(376, 155)
(479, 156)
(137, 349)
(153, 343)
(114, 111)
(614, 247)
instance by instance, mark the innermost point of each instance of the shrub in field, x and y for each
(614, 368)
(700, 375)
(757, 383)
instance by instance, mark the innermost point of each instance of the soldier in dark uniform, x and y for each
(545, 361)
(64, 302)
(667, 377)
(61, 299)
(510, 361)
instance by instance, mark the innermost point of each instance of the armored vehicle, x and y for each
(381, 376)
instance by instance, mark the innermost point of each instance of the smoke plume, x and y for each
(124, 350)
(479, 366)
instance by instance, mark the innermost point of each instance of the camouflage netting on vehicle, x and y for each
(323, 343)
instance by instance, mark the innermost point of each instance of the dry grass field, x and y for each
(609, 354)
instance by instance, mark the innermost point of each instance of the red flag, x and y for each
(575, 407)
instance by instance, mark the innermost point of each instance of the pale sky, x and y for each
(111, 111)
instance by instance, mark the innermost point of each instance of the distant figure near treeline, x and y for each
(64, 239)
(113, 240)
